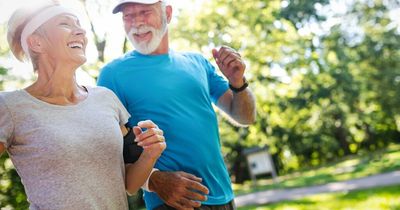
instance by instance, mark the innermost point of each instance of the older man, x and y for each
(176, 90)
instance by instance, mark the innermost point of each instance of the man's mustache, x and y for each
(142, 30)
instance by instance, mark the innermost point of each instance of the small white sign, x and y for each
(259, 163)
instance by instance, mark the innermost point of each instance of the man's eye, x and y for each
(127, 17)
(146, 12)
(63, 24)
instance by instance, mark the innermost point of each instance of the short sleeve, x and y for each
(106, 79)
(6, 124)
(123, 114)
(216, 83)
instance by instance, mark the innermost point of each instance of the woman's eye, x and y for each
(63, 24)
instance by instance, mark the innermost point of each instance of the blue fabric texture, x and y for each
(176, 91)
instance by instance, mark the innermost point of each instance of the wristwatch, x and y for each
(238, 90)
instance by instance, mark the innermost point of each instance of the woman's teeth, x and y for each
(75, 45)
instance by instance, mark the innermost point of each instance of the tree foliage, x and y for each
(320, 95)
(326, 85)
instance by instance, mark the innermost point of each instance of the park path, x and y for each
(270, 196)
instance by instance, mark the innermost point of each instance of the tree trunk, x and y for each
(125, 46)
(340, 135)
(100, 44)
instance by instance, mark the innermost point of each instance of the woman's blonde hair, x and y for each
(16, 24)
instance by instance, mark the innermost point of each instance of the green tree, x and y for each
(320, 96)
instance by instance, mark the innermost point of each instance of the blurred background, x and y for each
(326, 75)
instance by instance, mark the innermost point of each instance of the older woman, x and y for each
(64, 139)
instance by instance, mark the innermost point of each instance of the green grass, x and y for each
(347, 169)
(383, 198)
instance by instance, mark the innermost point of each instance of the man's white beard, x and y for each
(148, 47)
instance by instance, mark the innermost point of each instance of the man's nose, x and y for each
(138, 23)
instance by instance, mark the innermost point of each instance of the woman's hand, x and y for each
(152, 139)
(153, 142)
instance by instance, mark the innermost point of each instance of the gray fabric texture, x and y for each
(68, 157)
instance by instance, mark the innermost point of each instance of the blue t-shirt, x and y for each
(176, 91)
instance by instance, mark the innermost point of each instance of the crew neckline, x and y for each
(41, 102)
(137, 53)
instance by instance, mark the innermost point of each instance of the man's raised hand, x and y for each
(231, 64)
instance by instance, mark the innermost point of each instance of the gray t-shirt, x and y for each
(68, 157)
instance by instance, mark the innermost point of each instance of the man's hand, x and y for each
(178, 189)
(152, 140)
(231, 65)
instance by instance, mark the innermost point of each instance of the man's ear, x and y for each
(169, 13)
(35, 43)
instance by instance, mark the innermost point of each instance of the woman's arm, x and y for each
(124, 130)
(137, 173)
(153, 143)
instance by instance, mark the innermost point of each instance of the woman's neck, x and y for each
(56, 84)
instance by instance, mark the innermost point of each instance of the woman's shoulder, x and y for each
(10, 96)
(11, 99)
(98, 89)
(105, 95)
(101, 91)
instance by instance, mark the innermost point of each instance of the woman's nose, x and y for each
(79, 31)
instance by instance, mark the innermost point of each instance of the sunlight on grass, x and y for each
(384, 198)
(349, 168)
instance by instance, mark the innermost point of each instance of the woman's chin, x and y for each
(79, 60)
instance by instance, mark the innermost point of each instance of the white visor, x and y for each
(37, 21)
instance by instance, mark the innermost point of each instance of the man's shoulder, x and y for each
(196, 58)
(118, 62)
(191, 55)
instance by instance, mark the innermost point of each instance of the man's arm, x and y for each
(187, 189)
(179, 190)
(238, 104)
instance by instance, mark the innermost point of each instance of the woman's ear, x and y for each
(35, 43)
